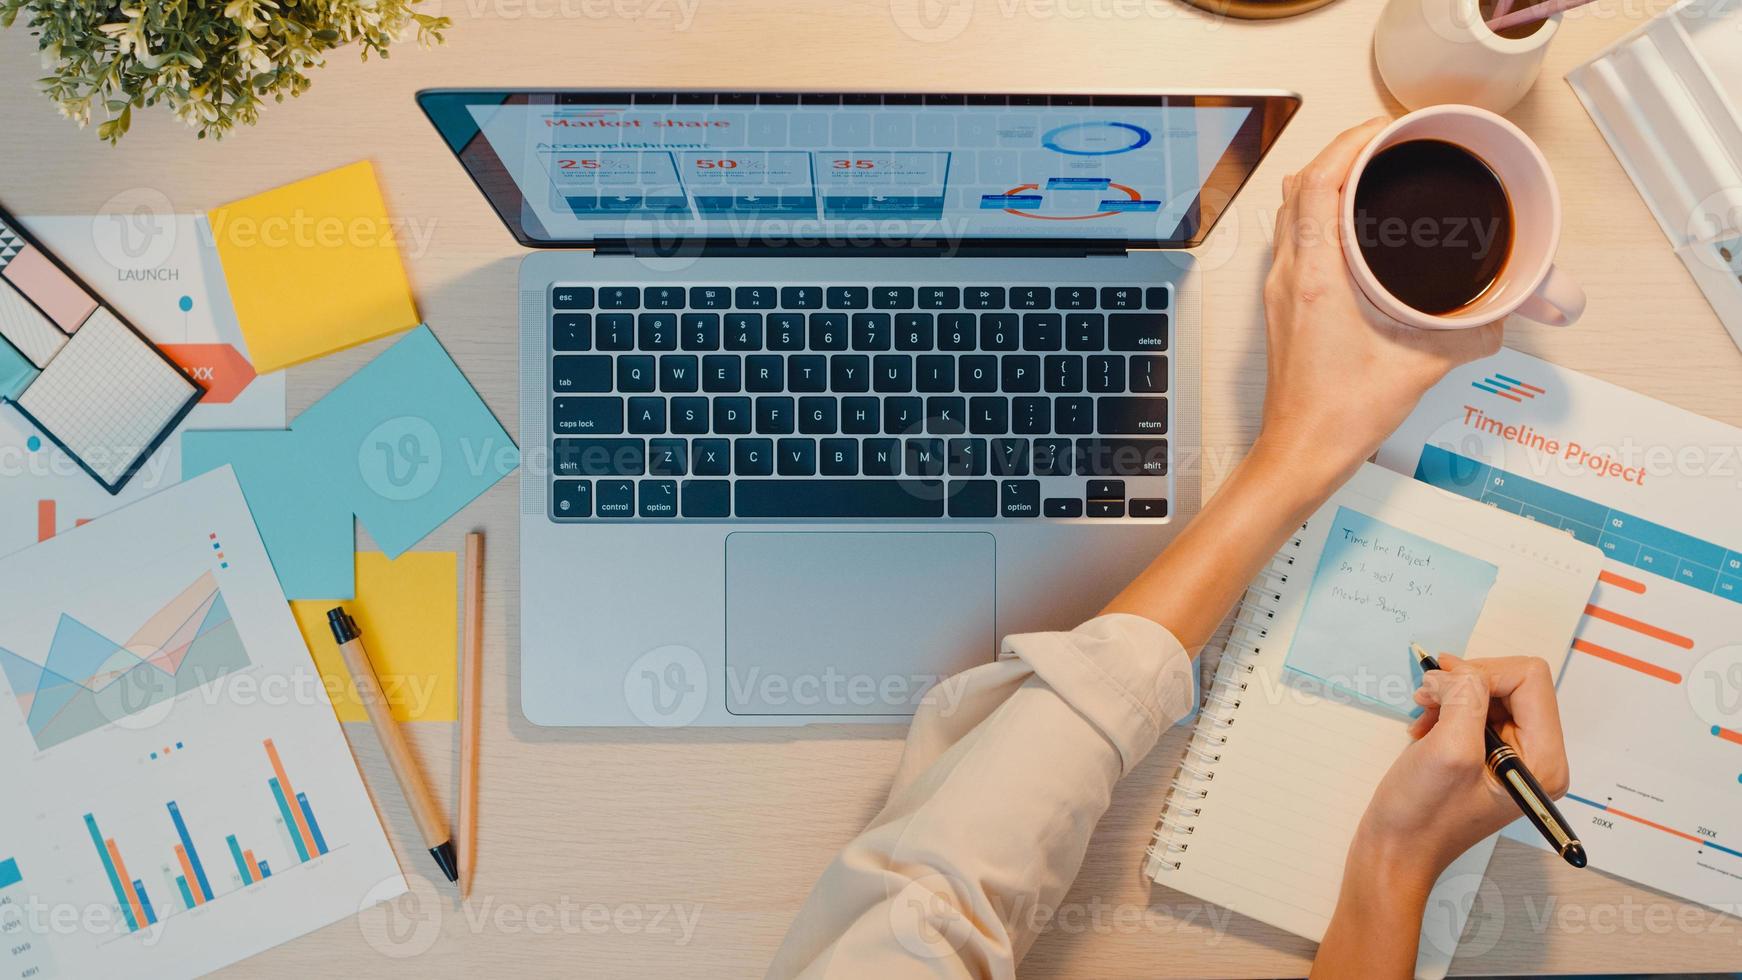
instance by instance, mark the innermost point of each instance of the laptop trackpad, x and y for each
(854, 623)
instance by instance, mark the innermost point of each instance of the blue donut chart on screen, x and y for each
(1052, 139)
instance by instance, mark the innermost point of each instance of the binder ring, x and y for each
(1191, 792)
(1220, 703)
(1210, 758)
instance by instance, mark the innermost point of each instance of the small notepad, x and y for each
(1263, 811)
(79, 373)
(107, 396)
(314, 267)
(26, 328)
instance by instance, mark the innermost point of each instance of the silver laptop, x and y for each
(822, 394)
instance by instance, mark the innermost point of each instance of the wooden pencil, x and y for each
(471, 697)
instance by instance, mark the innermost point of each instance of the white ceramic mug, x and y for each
(1528, 283)
(1431, 52)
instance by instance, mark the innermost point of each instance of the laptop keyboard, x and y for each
(852, 402)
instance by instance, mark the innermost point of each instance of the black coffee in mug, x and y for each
(1433, 222)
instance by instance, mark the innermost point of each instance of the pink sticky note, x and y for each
(53, 291)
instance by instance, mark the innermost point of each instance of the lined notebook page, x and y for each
(1282, 802)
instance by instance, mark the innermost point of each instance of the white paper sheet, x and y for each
(1652, 693)
(155, 694)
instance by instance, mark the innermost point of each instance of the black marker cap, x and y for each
(447, 860)
(344, 627)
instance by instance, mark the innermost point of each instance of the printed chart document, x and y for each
(1305, 715)
(177, 785)
(1652, 693)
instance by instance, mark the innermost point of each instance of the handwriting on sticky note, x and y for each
(1376, 590)
(1385, 575)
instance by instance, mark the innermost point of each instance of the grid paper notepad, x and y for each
(1263, 811)
(108, 396)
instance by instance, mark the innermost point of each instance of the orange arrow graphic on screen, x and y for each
(220, 367)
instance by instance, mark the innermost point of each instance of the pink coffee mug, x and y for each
(1528, 284)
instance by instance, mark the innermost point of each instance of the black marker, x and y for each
(1510, 771)
(430, 821)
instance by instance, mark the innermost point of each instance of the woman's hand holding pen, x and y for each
(1438, 799)
(1436, 802)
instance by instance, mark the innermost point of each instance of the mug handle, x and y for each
(1558, 302)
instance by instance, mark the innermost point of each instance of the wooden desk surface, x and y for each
(662, 854)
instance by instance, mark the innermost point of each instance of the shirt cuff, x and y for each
(1127, 675)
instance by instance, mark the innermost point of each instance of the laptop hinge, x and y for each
(716, 248)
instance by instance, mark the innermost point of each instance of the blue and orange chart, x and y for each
(173, 764)
(1661, 590)
(189, 874)
(1082, 196)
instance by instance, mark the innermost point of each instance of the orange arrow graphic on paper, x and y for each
(220, 367)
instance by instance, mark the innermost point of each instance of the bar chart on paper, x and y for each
(1657, 653)
(171, 766)
(184, 881)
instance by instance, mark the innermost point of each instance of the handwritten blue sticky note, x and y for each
(402, 445)
(1376, 590)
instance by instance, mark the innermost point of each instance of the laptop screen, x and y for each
(581, 168)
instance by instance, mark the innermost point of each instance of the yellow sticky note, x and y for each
(313, 267)
(408, 612)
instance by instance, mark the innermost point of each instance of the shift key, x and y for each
(599, 457)
(1131, 416)
(1137, 331)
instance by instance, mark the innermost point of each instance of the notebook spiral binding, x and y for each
(1234, 667)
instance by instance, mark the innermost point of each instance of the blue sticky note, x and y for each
(306, 528)
(1376, 590)
(403, 444)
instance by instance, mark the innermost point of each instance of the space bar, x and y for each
(838, 498)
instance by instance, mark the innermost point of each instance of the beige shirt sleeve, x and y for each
(1007, 769)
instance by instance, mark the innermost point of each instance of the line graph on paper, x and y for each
(87, 680)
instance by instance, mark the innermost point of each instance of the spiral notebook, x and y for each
(1302, 719)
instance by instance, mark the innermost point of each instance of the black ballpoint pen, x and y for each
(1511, 773)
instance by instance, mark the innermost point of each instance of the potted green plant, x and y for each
(213, 62)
